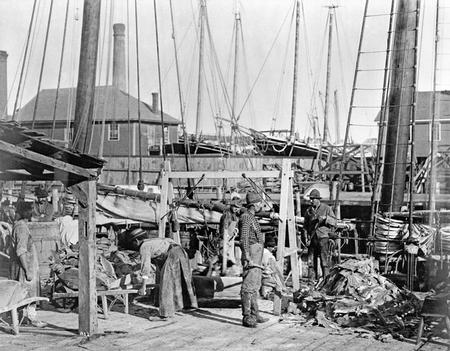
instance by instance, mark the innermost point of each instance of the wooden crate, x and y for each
(47, 238)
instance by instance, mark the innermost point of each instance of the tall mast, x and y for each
(400, 105)
(336, 113)
(434, 125)
(200, 64)
(235, 74)
(327, 84)
(180, 96)
(294, 81)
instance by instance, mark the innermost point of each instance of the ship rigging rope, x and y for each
(44, 54)
(66, 17)
(138, 92)
(262, 66)
(27, 44)
(128, 95)
(282, 75)
(32, 48)
(103, 99)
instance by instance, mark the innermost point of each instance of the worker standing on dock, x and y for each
(24, 266)
(319, 219)
(252, 245)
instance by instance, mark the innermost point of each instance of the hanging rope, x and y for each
(60, 68)
(42, 63)
(24, 59)
(140, 184)
(128, 94)
(159, 82)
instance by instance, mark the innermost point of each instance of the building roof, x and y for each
(110, 103)
(28, 155)
(424, 106)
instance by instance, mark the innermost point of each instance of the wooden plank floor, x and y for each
(203, 329)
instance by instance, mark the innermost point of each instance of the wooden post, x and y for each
(287, 220)
(163, 206)
(87, 297)
(86, 191)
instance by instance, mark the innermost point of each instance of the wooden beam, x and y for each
(164, 208)
(225, 174)
(48, 162)
(87, 298)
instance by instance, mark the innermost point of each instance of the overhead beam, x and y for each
(225, 174)
(47, 161)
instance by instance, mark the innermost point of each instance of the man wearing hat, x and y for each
(42, 209)
(319, 219)
(252, 245)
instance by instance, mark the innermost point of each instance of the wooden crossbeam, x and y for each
(224, 174)
(46, 161)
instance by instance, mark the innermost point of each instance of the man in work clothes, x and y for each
(252, 245)
(175, 285)
(42, 209)
(319, 219)
(24, 266)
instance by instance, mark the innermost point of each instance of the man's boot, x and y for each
(255, 310)
(247, 319)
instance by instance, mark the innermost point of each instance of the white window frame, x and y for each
(438, 131)
(110, 130)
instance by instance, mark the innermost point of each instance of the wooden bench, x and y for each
(15, 315)
(117, 294)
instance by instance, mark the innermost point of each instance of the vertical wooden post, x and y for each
(163, 207)
(87, 193)
(287, 220)
(363, 171)
(87, 297)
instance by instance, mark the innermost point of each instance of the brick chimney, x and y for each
(119, 75)
(3, 85)
(155, 102)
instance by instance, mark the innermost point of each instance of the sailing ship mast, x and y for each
(327, 84)
(202, 16)
(294, 82)
(234, 126)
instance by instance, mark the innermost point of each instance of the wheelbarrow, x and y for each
(13, 295)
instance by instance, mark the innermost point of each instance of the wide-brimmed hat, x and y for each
(252, 198)
(315, 194)
(40, 192)
(235, 203)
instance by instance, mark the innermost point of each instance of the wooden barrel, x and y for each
(47, 238)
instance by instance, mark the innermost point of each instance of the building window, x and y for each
(166, 135)
(437, 132)
(114, 132)
(151, 135)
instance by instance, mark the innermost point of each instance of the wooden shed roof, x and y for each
(27, 155)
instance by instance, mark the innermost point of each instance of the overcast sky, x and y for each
(268, 47)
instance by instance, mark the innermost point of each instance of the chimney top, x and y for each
(3, 55)
(155, 102)
(119, 29)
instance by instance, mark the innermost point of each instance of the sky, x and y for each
(265, 61)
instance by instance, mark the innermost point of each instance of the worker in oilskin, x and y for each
(252, 246)
(24, 265)
(175, 285)
(319, 221)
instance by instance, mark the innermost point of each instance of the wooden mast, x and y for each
(294, 82)
(327, 84)
(235, 74)
(434, 125)
(200, 65)
(400, 106)
(86, 191)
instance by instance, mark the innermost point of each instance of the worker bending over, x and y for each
(175, 285)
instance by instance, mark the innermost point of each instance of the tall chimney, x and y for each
(119, 77)
(155, 102)
(3, 85)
